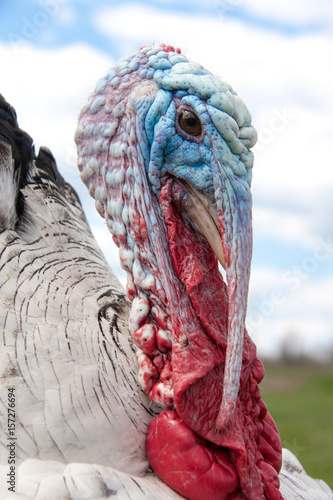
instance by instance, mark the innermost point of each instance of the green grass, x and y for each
(300, 399)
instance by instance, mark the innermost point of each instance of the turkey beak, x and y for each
(204, 215)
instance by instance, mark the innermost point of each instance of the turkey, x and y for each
(152, 392)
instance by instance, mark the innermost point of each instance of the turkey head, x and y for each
(164, 148)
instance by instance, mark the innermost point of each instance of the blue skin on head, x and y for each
(183, 157)
(174, 151)
(226, 122)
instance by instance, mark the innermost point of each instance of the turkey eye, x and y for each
(190, 122)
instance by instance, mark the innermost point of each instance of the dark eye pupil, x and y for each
(190, 122)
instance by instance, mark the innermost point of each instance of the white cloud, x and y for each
(315, 297)
(309, 337)
(295, 304)
(294, 153)
(48, 89)
(296, 12)
(67, 15)
(289, 228)
(263, 280)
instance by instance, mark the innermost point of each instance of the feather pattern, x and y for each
(46, 480)
(8, 187)
(65, 342)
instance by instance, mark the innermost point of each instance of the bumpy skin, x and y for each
(216, 439)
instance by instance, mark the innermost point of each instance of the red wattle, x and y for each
(185, 462)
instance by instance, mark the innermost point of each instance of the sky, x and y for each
(278, 56)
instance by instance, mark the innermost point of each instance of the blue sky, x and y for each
(277, 56)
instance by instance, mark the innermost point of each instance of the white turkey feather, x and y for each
(46, 480)
(8, 186)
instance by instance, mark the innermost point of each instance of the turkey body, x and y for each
(64, 323)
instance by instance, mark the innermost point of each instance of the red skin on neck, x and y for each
(184, 446)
